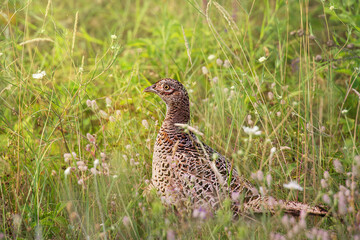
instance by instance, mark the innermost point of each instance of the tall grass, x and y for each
(290, 68)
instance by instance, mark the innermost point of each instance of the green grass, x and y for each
(301, 97)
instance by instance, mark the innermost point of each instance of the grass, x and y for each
(303, 97)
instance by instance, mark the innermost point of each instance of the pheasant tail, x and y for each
(269, 204)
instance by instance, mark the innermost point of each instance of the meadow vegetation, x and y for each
(77, 132)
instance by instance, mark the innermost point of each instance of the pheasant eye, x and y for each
(166, 87)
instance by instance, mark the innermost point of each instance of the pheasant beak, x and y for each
(150, 89)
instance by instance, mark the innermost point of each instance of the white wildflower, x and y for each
(81, 181)
(293, 185)
(262, 59)
(273, 150)
(108, 102)
(219, 62)
(215, 79)
(112, 119)
(67, 171)
(345, 111)
(96, 163)
(252, 131)
(39, 75)
(211, 57)
(204, 70)
(332, 7)
(113, 37)
(67, 157)
(145, 123)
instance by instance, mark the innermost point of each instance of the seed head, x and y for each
(338, 166)
(293, 185)
(204, 70)
(103, 114)
(227, 64)
(67, 157)
(91, 138)
(268, 179)
(126, 221)
(145, 123)
(326, 199)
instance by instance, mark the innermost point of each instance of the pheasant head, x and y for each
(174, 94)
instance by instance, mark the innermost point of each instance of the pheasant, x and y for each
(191, 175)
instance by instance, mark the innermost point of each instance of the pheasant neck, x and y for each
(178, 112)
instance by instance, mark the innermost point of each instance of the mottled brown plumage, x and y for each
(189, 174)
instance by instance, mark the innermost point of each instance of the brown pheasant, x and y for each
(189, 174)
